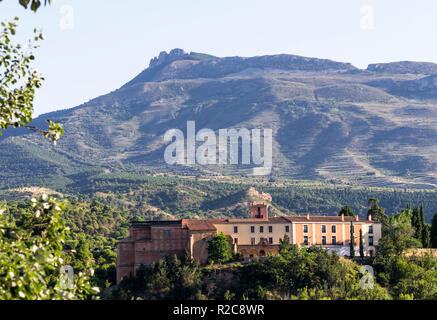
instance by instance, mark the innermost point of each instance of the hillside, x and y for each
(331, 122)
(167, 197)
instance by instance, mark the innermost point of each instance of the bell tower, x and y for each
(259, 210)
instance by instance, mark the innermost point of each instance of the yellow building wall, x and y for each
(244, 235)
(314, 233)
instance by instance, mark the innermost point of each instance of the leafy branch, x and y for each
(34, 4)
(18, 83)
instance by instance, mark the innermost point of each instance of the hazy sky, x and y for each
(93, 47)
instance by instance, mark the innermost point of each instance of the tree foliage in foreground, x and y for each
(34, 4)
(94, 229)
(18, 83)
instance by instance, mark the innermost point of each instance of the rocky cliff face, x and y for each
(165, 57)
(404, 67)
(179, 64)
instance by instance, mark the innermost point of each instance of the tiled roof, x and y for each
(252, 220)
(324, 219)
(156, 223)
(208, 224)
(197, 225)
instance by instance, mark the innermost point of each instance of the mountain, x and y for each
(404, 67)
(331, 121)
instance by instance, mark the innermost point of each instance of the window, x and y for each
(167, 233)
(305, 228)
(252, 240)
(235, 229)
(323, 228)
(259, 212)
(305, 240)
(261, 229)
(334, 229)
(252, 229)
(334, 240)
(236, 240)
(287, 228)
(370, 240)
(370, 229)
(270, 229)
(270, 240)
(324, 240)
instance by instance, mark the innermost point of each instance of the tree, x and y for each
(347, 212)
(426, 230)
(19, 80)
(219, 249)
(31, 255)
(433, 231)
(83, 255)
(426, 236)
(34, 4)
(284, 244)
(376, 212)
(417, 223)
(397, 235)
(352, 242)
(361, 244)
(422, 230)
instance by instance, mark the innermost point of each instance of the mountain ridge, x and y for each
(331, 121)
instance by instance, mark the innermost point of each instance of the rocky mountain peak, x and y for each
(165, 57)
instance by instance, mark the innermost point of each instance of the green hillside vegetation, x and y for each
(296, 274)
(155, 197)
(308, 273)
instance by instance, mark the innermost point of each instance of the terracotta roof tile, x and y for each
(208, 224)
(198, 225)
(252, 220)
(324, 219)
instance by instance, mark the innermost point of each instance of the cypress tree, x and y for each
(426, 231)
(434, 231)
(377, 212)
(352, 242)
(361, 244)
(416, 223)
(347, 212)
(426, 240)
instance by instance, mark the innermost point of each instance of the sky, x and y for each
(93, 47)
